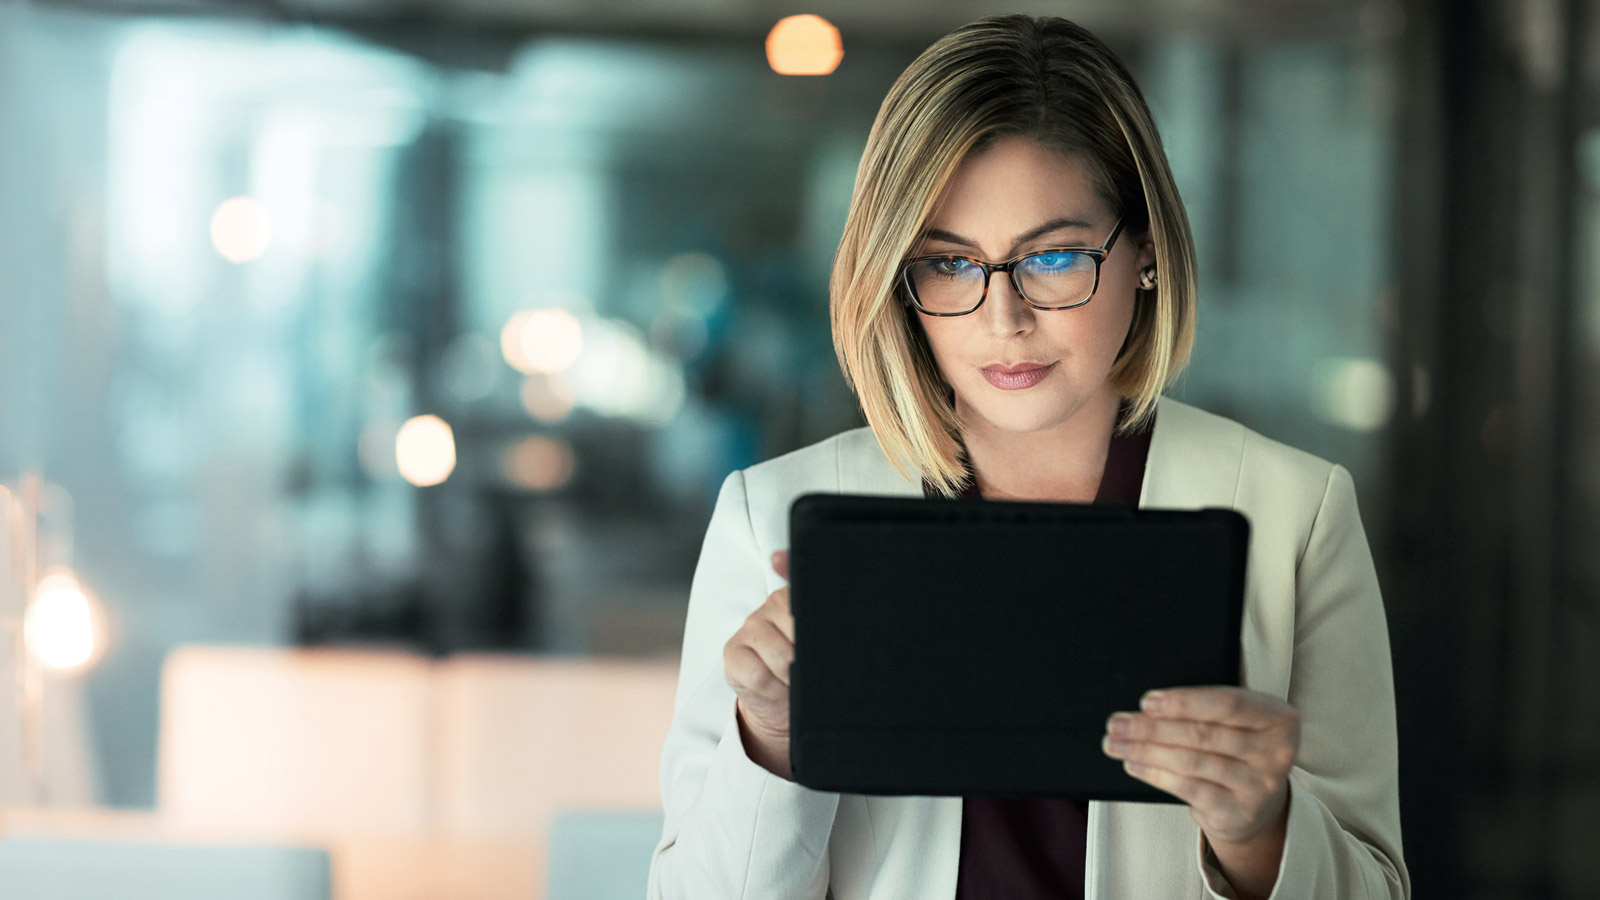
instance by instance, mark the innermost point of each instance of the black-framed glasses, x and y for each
(1058, 278)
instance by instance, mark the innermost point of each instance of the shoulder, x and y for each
(1282, 490)
(832, 465)
(815, 465)
(1260, 462)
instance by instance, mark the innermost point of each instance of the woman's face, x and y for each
(1015, 197)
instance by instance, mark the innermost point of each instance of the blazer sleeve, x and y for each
(1343, 839)
(732, 829)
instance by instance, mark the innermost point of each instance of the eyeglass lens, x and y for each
(953, 285)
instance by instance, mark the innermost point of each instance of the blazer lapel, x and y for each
(1194, 459)
(864, 469)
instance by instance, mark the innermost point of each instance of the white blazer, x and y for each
(1314, 634)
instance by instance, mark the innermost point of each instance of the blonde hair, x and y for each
(1046, 79)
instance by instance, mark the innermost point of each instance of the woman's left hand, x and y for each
(1225, 751)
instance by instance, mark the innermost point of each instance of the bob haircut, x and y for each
(1046, 79)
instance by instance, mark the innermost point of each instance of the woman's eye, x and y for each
(1053, 262)
(951, 268)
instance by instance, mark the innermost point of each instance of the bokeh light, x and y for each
(539, 463)
(547, 398)
(612, 376)
(541, 340)
(241, 229)
(1358, 394)
(59, 625)
(619, 375)
(511, 342)
(804, 45)
(425, 450)
(693, 282)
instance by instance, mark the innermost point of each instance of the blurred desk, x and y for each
(423, 779)
(88, 854)
(359, 867)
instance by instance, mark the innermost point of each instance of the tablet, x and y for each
(961, 647)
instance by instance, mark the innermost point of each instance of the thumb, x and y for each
(780, 563)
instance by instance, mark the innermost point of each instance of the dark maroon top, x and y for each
(1033, 849)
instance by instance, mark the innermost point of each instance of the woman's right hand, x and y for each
(756, 663)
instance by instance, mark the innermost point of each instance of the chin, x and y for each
(1024, 415)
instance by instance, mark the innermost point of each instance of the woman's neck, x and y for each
(1064, 463)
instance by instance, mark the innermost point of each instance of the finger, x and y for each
(1233, 706)
(773, 646)
(745, 670)
(1211, 737)
(780, 563)
(776, 611)
(778, 601)
(1197, 792)
(1228, 771)
(781, 618)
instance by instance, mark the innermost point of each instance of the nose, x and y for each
(1005, 313)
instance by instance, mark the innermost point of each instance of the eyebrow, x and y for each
(939, 234)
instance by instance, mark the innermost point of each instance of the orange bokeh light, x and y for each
(539, 463)
(547, 398)
(804, 45)
(541, 340)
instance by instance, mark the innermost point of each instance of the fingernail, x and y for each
(1113, 747)
(1118, 724)
(1133, 768)
(1151, 702)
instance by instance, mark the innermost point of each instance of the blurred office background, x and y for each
(368, 369)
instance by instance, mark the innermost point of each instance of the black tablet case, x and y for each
(960, 647)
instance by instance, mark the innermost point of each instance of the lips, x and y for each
(1017, 376)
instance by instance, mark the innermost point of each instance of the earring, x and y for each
(1147, 278)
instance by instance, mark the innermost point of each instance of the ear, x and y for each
(1147, 251)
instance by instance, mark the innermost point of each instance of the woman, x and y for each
(1014, 288)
